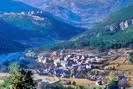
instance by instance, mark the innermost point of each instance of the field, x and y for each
(81, 81)
(124, 50)
(124, 66)
(84, 82)
(78, 81)
(118, 61)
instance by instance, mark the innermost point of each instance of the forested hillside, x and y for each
(8, 46)
(10, 33)
(112, 33)
(31, 29)
(116, 20)
(43, 24)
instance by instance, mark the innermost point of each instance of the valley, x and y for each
(84, 13)
(112, 33)
(66, 44)
(88, 66)
(30, 29)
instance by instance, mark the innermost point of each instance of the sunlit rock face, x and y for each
(85, 13)
(120, 26)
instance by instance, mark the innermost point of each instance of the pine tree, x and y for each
(19, 79)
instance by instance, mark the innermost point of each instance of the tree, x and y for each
(123, 83)
(74, 83)
(69, 82)
(113, 85)
(19, 78)
(80, 87)
(131, 57)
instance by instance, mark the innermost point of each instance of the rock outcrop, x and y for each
(113, 28)
(120, 26)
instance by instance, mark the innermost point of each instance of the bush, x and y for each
(18, 78)
(74, 83)
(113, 85)
(69, 82)
(131, 57)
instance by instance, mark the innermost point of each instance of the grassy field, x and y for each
(126, 67)
(78, 81)
(84, 82)
(124, 50)
(118, 61)
(86, 86)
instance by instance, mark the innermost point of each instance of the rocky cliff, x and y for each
(118, 21)
(120, 26)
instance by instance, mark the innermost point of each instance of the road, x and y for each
(43, 79)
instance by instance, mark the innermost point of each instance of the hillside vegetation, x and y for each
(107, 39)
(30, 30)
(10, 33)
(7, 46)
(115, 18)
(43, 24)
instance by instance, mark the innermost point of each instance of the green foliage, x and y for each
(10, 33)
(107, 39)
(131, 57)
(54, 86)
(103, 43)
(113, 85)
(7, 46)
(81, 87)
(48, 28)
(74, 83)
(119, 16)
(14, 28)
(19, 79)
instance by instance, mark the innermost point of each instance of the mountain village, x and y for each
(82, 64)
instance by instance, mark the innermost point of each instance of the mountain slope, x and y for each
(23, 26)
(114, 23)
(15, 6)
(10, 33)
(8, 46)
(84, 13)
(112, 33)
(43, 24)
(33, 29)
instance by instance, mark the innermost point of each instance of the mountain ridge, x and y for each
(85, 13)
(113, 33)
(117, 17)
(34, 28)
